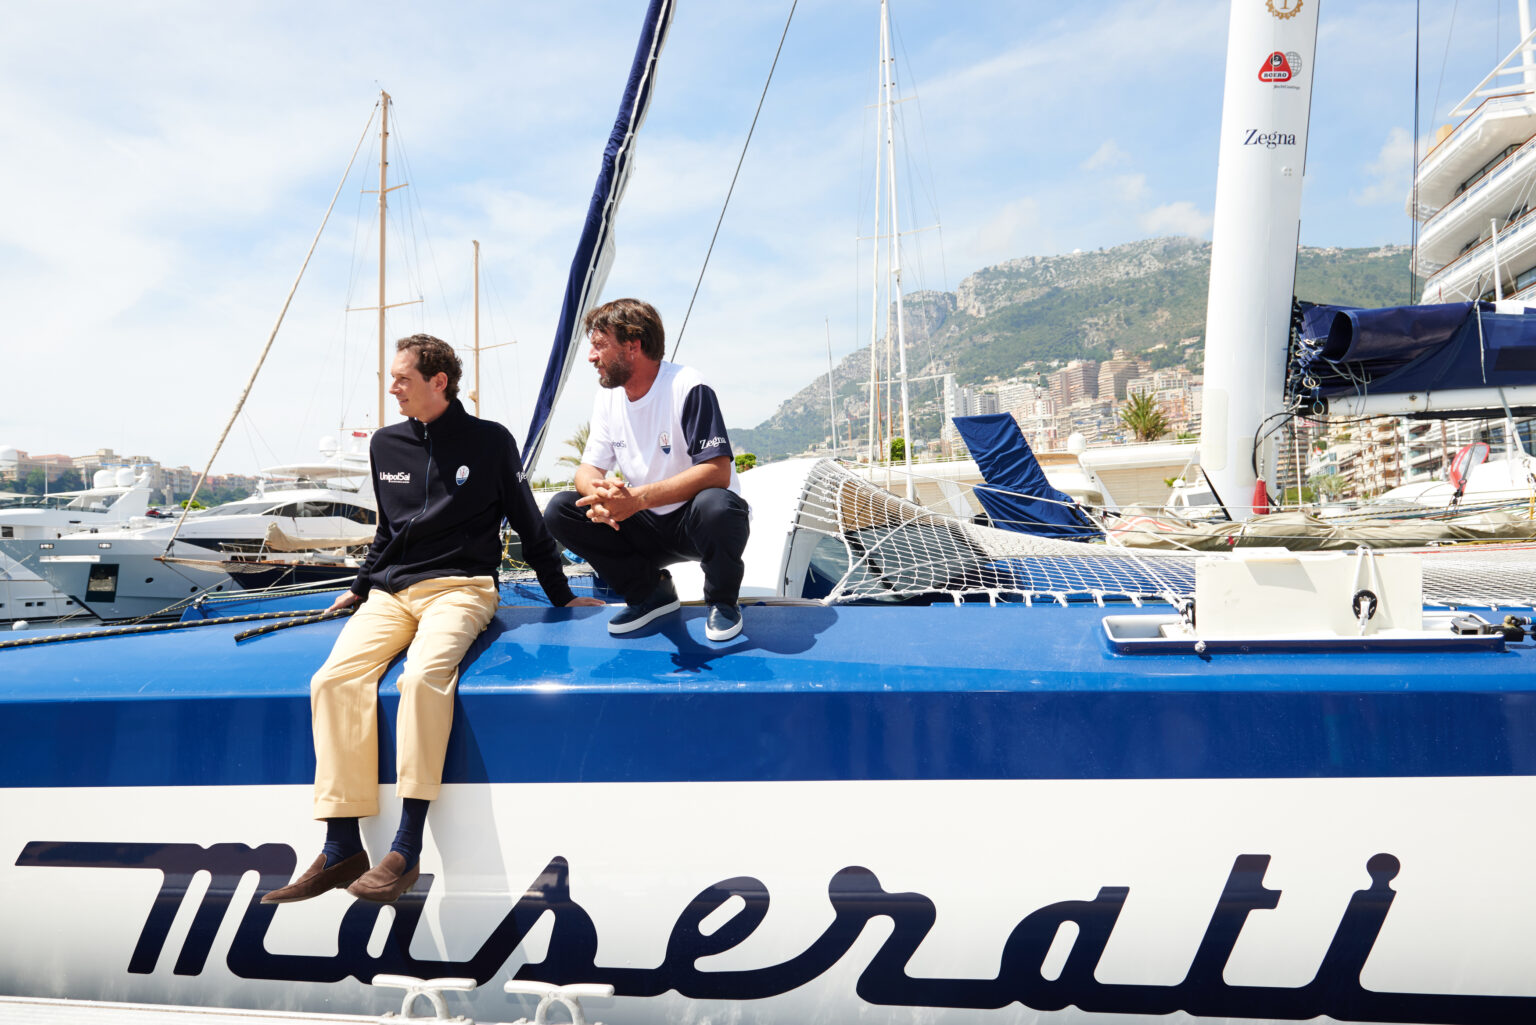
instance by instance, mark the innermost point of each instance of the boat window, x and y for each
(305, 509)
(355, 513)
(1475, 175)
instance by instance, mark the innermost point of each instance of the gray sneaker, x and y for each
(724, 622)
(662, 600)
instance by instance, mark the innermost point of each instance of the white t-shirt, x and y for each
(674, 425)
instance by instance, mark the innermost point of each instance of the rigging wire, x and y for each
(678, 344)
(251, 383)
(417, 212)
(1413, 203)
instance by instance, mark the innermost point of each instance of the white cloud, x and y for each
(1130, 188)
(1390, 175)
(1179, 218)
(1107, 155)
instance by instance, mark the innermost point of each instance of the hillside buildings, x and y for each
(171, 484)
(1084, 397)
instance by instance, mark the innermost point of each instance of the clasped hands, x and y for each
(611, 502)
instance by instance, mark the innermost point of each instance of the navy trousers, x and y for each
(711, 530)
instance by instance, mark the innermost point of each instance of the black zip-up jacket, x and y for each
(443, 489)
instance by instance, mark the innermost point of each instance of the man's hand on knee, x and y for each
(344, 600)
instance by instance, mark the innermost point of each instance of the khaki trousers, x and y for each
(439, 619)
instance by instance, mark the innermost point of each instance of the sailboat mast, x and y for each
(1256, 227)
(831, 391)
(874, 291)
(383, 203)
(890, 165)
(477, 329)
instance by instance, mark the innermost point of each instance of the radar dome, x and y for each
(1076, 443)
(103, 478)
(126, 477)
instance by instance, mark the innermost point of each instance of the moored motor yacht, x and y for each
(115, 498)
(300, 527)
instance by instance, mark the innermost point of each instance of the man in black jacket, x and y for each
(444, 481)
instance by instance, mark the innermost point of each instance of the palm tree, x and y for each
(1144, 417)
(578, 442)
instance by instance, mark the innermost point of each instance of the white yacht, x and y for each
(1478, 238)
(304, 525)
(115, 498)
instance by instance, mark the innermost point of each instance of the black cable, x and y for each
(145, 628)
(1413, 203)
(678, 344)
(304, 621)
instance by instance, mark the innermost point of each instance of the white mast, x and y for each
(890, 163)
(1527, 59)
(477, 327)
(383, 192)
(874, 299)
(831, 392)
(1263, 149)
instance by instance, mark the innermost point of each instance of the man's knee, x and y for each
(719, 513)
(562, 511)
(719, 502)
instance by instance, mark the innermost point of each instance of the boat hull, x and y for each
(832, 816)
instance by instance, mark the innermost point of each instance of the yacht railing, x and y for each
(1514, 230)
(1483, 182)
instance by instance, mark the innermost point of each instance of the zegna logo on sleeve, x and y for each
(402, 477)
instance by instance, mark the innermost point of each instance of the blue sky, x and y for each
(166, 165)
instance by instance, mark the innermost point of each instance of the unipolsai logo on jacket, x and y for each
(401, 477)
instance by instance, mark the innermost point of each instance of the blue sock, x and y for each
(413, 823)
(342, 840)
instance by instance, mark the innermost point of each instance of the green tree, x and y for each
(578, 443)
(898, 449)
(1329, 485)
(1143, 417)
(745, 462)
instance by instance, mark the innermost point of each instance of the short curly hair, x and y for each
(435, 356)
(631, 320)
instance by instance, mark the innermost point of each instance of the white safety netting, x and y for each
(873, 544)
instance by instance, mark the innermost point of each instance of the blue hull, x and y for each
(903, 723)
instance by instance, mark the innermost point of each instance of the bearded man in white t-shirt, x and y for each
(660, 425)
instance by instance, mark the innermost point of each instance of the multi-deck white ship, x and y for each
(1474, 188)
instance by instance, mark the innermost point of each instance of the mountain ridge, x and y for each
(1021, 316)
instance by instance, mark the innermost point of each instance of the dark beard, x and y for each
(615, 374)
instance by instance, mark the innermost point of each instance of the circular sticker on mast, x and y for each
(1284, 9)
(1280, 67)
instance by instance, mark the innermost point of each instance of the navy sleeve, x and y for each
(704, 426)
(539, 549)
(381, 535)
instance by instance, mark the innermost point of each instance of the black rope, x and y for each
(739, 161)
(305, 621)
(146, 628)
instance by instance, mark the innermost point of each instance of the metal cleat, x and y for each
(432, 989)
(568, 997)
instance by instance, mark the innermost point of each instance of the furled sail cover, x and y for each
(1410, 349)
(594, 252)
(1018, 496)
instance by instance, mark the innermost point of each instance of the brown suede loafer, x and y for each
(318, 879)
(385, 883)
